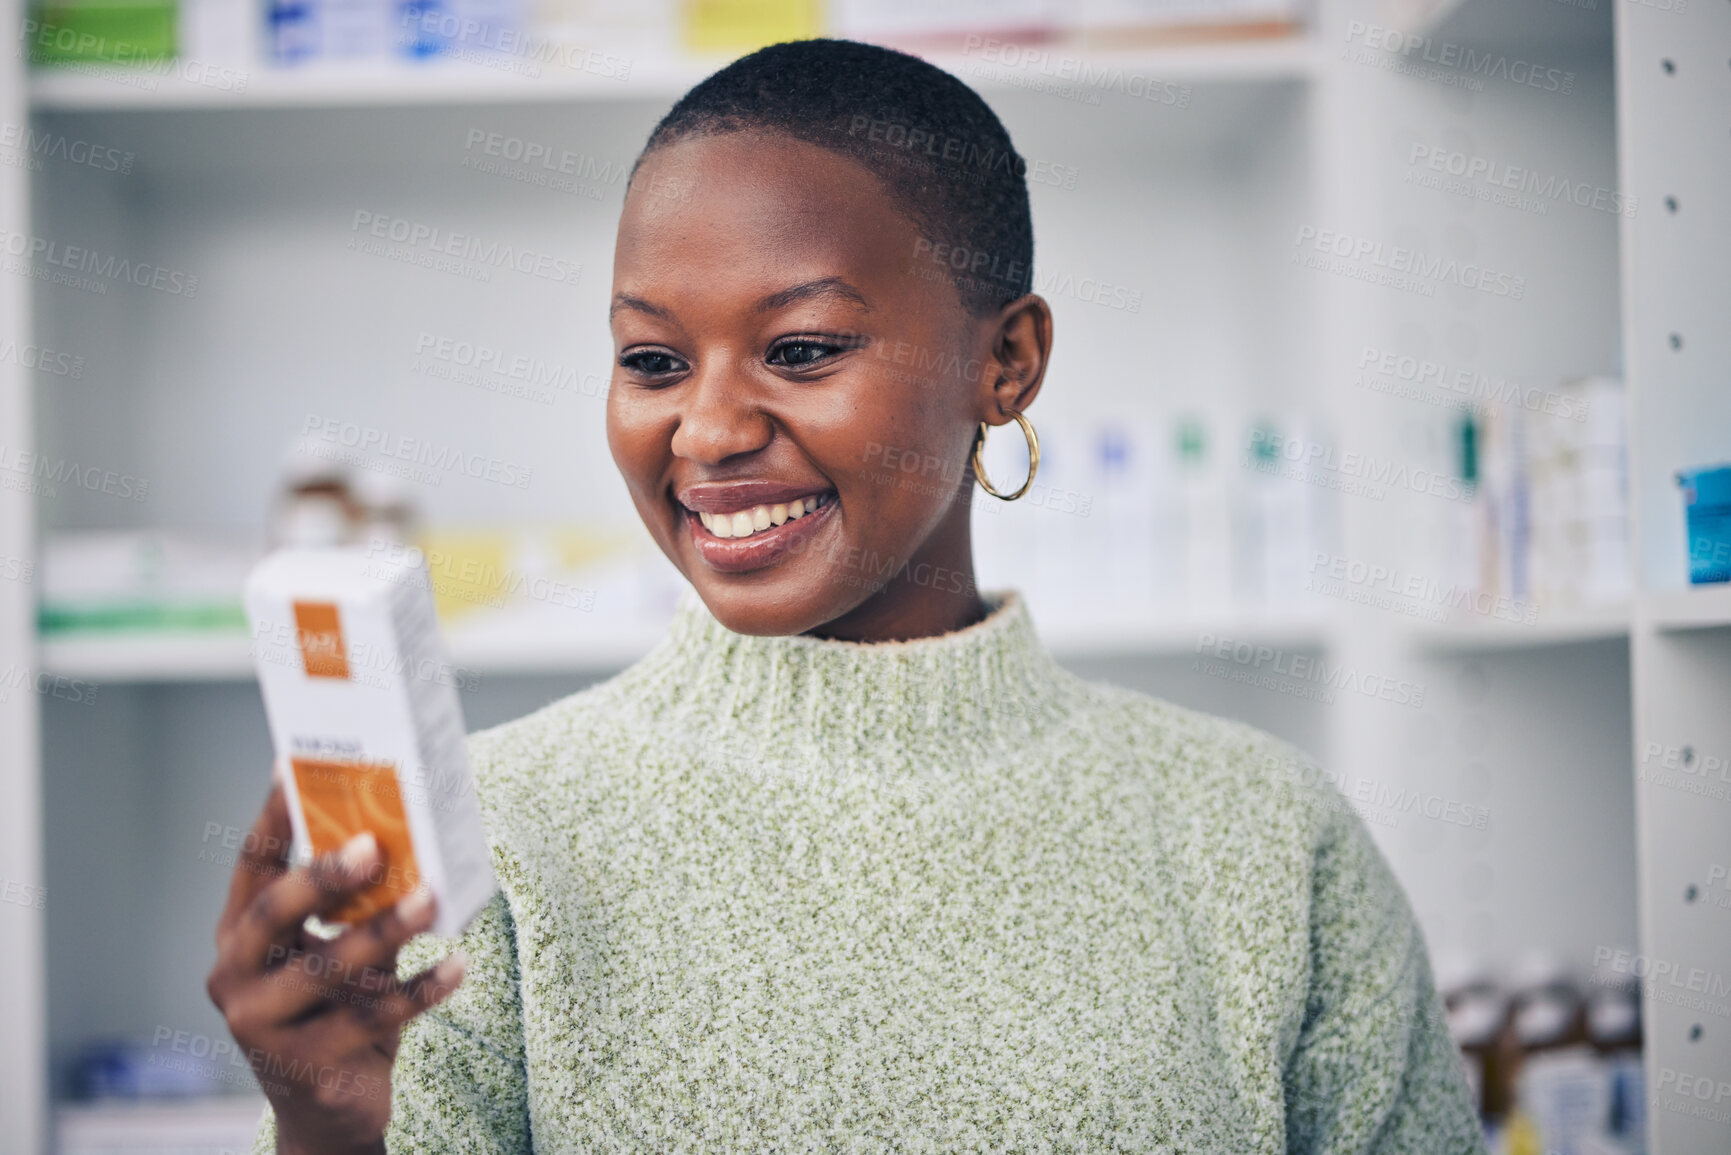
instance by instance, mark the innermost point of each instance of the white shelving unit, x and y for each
(1674, 130)
(1675, 611)
(216, 1127)
(23, 979)
(1598, 623)
(254, 193)
(462, 83)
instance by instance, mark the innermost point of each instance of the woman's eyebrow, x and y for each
(822, 287)
(636, 304)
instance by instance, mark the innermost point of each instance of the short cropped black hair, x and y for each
(940, 151)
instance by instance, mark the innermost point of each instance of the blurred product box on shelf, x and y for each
(1116, 22)
(1542, 521)
(1578, 482)
(541, 578)
(1554, 1071)
(515, 598)
(743, 25)
(1707, 522)
(99, 31)
(947, 23)
(107, 1069)
(113, 581)
(369, 735)
(629, 26)
(215, 43)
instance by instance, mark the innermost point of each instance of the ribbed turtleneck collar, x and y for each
(913, 704)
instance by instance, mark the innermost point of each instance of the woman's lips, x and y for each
(760, 547)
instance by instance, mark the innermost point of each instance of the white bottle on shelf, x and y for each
(1117, 512)
(355, 29)
(1276, 520)
(219, 33)
(1205, 491)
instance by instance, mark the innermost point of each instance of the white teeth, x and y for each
(756, 519)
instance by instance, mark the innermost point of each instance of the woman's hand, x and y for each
(319, 1020)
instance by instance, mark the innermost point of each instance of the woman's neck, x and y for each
(929, 594)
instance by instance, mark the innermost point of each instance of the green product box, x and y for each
(106, 31)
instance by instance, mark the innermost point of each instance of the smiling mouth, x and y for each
(753, 537)
(757, 519)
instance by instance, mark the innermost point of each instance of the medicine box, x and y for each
(367, 726)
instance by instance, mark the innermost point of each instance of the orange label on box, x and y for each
(341, 799)
(319, 636)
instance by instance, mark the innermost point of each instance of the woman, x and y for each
(848, 862)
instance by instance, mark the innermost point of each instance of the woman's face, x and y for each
(797, 389)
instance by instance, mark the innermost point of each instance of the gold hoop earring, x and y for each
(1033, 459)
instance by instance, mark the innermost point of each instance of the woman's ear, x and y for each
(1021, 345)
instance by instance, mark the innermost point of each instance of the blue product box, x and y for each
(1707, 508)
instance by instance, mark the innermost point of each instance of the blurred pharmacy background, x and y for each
(1390, 412)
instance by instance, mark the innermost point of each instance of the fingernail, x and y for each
(416, 911)
(358, 851)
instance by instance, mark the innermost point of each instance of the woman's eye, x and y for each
(800, 354)
(651, 363)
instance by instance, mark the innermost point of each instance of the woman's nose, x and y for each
(720, 417)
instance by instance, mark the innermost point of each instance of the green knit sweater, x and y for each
(790, 894)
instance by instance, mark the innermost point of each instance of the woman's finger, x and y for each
(356, 969)
(427, 989)
(376, 1020)
(262, 858)
(279, 910)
